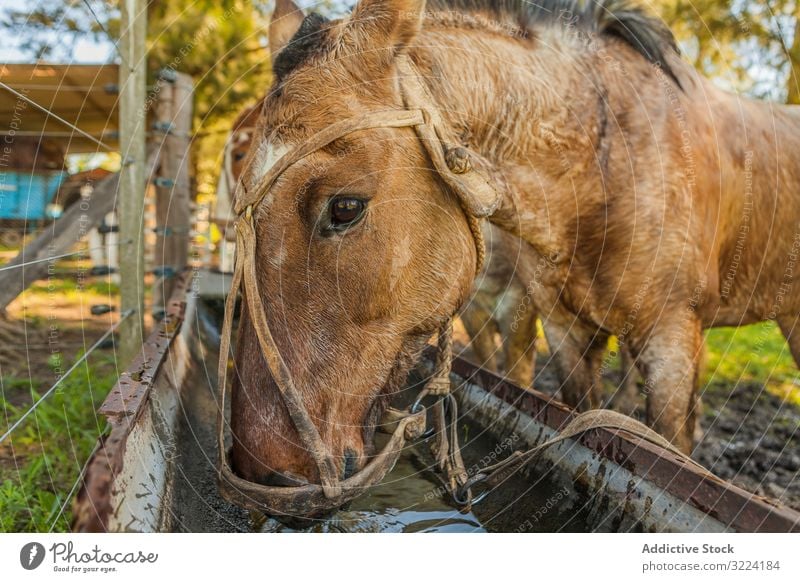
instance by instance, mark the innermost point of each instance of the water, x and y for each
(410, 499)
(406, 501)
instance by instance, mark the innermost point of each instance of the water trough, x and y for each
(154, 468)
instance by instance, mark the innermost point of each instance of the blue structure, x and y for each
(25, 195)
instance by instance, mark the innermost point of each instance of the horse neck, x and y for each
(504, 94)
(521, 103)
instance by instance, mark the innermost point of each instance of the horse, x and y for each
(233, 155)
(658, 205)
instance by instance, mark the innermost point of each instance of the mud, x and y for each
(750, 437)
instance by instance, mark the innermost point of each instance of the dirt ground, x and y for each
(53, 317)
(751, 437)
(43, 324)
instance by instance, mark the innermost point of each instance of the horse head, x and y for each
(365, 245)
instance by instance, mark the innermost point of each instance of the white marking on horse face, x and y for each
(242, 136)
(277, 259)
(262, 160)
(267, 156)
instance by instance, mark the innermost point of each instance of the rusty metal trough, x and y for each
(154, 470)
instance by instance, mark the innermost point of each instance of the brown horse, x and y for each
(657, 203)
(233, 155)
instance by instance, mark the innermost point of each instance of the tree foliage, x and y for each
(751, 47)
(50, 29)
(221, 44)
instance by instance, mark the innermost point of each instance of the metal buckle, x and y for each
(461, 495)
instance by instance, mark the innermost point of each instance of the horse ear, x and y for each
(384, 24)
(285, 22)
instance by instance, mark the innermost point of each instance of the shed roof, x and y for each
(84, 95)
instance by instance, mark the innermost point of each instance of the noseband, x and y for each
(477, 199)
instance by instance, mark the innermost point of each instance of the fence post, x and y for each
(173, 186)
(133, 120)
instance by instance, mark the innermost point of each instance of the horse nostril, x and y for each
(350, 463)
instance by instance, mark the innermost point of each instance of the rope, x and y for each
(480, 244)
(439, 384)
(583, 422)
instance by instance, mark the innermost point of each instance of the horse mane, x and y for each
(621, 19)
(306, 41)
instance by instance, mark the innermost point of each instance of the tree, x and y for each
(222, 46)
(752, 47)
(793, 83)
(51, 29)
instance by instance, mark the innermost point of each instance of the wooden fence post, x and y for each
(133, 121)
(173, 192)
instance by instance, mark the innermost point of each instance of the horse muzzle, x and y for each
(316, 500)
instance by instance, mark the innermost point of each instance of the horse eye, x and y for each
(238, 156)
(346, 211)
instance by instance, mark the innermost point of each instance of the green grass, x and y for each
(51, 446)
(69, 288)
(755, 353)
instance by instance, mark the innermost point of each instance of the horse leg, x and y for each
(577, 351)
(519, 345)
(626, 397)
(481, 329)
(669, 362)
(789, 325)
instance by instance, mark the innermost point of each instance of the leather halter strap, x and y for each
(331, 492)
(380, 119)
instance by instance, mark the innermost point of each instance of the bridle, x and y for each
(477, 197)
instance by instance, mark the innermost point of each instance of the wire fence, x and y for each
(58, 118)
(107, 33)
(41, 406)
(63, 256)
(99, 343)
(69, 496)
